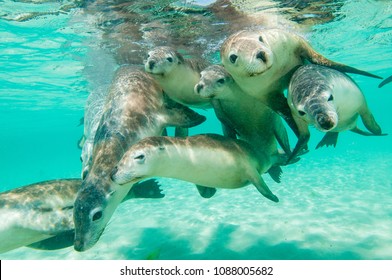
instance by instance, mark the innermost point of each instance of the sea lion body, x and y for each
(176, 75)
(135, 108)
(40, 215)
(36, 212)
(242, 114)
(210, 160)
(329, 100)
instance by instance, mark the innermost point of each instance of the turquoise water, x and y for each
(335, 203)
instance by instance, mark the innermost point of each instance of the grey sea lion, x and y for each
(329, 100)
(242, 114)
(386, 81)
(40, 215)
(263, 61)
(135, 108)
(209, 160)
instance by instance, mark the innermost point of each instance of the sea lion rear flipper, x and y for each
(206, 192)
(386, 81)
(329, 139)
(60, 241)
(276, 173)
(180, 115)
(308, 53)
(262, 187)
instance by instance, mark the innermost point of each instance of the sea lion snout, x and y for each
(326, 122)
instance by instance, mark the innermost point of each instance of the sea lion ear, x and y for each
(180, 58)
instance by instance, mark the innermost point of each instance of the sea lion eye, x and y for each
(233, 58)
(330, 98)
(96, 214)
(221, 81)
(170, 59)
(261, 39)
(140, 158)
(301, 113)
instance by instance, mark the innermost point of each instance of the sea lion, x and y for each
(209, 160)
(40, 215)
(263, 61)
(135, 108)
(176, 75)
(242, 114)
(331, 101)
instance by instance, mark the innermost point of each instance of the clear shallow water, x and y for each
(335, 203)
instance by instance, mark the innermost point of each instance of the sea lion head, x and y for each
(213, 82)
(140, 161)
(162, 60)
(246, 54)
(319, 110)
(93, 209)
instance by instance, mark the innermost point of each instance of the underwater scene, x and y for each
(70, 137)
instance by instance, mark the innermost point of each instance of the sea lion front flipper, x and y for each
(303, 139)
(369, 121)
(181, 116)
(146, 189)
(206, 192)
(386, 81)
(329, 139)
(60, 241)
(276, 173)
(262, 187)
(308, 53)
(365, 133)
(227, 127)
(281, 136)
(228, 131)
(278, 103)
(181, 132)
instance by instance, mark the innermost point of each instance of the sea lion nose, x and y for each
(325, 122)
(233, 58)
(261, 55)
(78, 246)
(151, 64)
(199, 87)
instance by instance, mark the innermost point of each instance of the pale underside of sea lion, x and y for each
(40, 215)
(263, 61)
(135, 108)
(243, 115)
(209, 160)
(329, 100)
